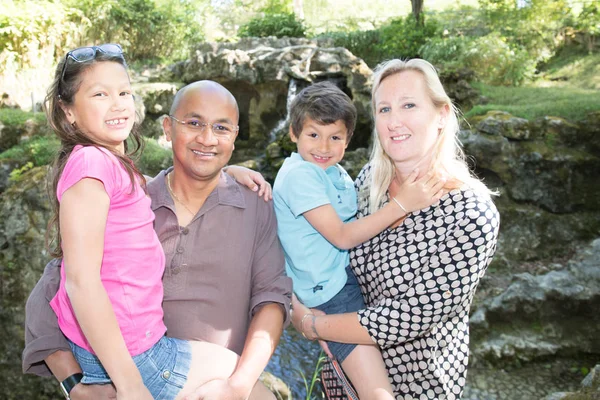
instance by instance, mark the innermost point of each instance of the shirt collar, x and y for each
(228, 192)
(334, 172)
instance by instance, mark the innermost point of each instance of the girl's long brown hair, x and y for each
(62, 92)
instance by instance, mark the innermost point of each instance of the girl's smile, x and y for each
(103, 107)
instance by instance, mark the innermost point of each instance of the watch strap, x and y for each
(68, 384)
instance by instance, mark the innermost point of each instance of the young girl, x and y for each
(109, 301)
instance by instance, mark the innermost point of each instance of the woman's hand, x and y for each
(251, 179)
(298, 313)
(322, 343)
(415, 194)
(302, 316)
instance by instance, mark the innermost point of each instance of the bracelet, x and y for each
(400, 205)
(314, 327)
(68, 384)
(302, 325)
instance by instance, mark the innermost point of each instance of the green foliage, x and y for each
(15, 174)
(38, 151)
(588, 23)
(146, 29)
(280, 25)
(363, 44)
(404, 37)
(533, 102)
(533, 27)
(277, 7)
(462, 21)
(399, 38)
(572, 68)
(14, 117)
(41, 151)
(311, 385)
(154, 158)
(492, 59)
(34, 31)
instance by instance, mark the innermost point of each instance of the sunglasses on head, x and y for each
(83, 54)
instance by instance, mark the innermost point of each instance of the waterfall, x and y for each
(292, 91)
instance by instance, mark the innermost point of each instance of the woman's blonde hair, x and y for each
(448, 158)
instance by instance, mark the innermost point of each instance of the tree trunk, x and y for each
(299, 8)
(417, 10)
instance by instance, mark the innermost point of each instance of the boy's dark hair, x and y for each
(325, 103)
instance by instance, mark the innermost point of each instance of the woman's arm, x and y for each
(478, 226)
(343, 328)
(413, 195)
(83, 214)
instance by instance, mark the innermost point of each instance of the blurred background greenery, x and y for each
(527, 43)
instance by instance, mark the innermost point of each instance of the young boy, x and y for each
(316, 204)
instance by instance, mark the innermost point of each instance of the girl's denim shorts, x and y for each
(164, 367)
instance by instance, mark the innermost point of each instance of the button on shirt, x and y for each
(219, 268)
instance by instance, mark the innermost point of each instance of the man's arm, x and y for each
(263, 337)
(63, 364)
(46, 350)
(42, 334)
(269, 309)
(271, 298)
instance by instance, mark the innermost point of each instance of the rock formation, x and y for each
(540, 298)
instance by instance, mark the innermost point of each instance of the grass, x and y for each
(311, 386)
(9, 116)
(568, 87)
(531, 102)
(572, 68)
(39, 151)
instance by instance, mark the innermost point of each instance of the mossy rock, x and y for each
(556, 177)
(23, 216)
(155, 158)
(528, 233)
(157, 97)
(151, 127)
(501, 123)
(14, 134)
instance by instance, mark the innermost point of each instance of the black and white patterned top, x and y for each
(418, 281)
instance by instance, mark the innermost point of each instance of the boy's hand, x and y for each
(415, 194)
(251, 179)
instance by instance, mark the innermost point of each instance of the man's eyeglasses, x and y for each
(219, 129)
(83, 54)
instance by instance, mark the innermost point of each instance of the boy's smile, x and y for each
(322, 145)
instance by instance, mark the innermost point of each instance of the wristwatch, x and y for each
(68, 384)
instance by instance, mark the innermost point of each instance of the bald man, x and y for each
(224, 279)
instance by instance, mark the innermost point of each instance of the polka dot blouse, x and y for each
(418, 281)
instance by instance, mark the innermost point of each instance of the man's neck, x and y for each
(190, 191)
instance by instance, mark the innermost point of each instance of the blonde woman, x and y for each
(419, 276)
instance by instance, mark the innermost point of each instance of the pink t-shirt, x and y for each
(133, 262)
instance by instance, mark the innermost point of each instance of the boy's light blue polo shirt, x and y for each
(316, 267)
